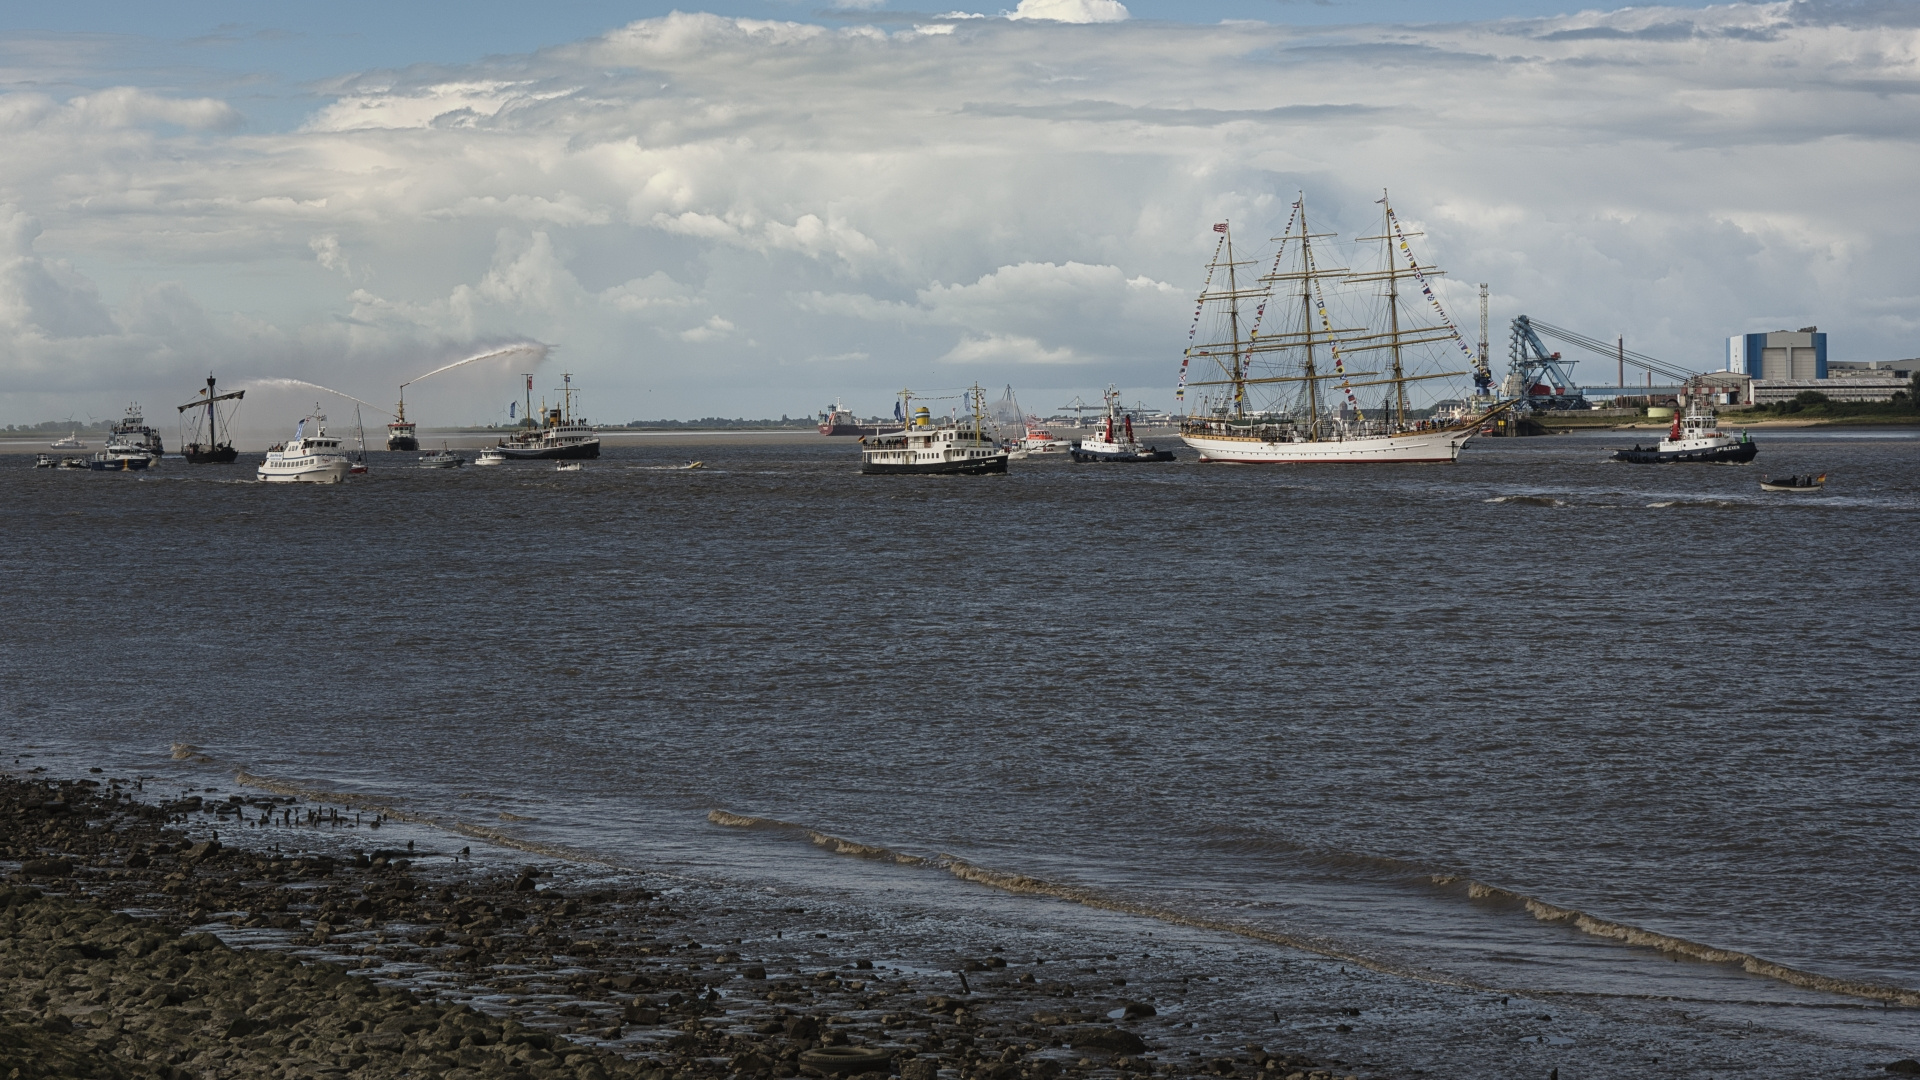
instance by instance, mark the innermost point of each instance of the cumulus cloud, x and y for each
(1071, 11)
(715, 215)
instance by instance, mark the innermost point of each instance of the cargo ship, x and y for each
(836, 420)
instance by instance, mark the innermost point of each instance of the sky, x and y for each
(759, 207)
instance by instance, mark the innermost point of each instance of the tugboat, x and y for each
(1696, 437)
(561, 435)
(310, 459)
(1114, 441)
(213, 451)
(400, 433)
(836, 420)
(925, 446)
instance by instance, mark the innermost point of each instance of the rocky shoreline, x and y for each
(376, 964)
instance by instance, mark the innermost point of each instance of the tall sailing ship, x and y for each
(1284, 383)
(212, 451)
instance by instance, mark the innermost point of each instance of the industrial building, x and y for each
(1770, 391)
(1781, 365)
(1783, 354)
(1872, 369)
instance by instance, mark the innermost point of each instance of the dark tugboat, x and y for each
(400, 434)
(1694, 438)
(213, 451)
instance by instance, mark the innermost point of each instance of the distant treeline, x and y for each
(62, 425)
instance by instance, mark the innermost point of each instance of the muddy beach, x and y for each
(135, 943)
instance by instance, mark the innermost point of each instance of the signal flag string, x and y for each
(1180, 394)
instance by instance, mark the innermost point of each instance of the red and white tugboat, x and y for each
(1114, 440)
(1696, 437)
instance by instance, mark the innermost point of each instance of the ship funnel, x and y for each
(922, 417)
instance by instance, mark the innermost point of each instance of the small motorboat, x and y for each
(445, 459)
(568, 466)
(490, 456)
(1809, 482)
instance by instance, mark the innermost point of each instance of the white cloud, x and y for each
(1007, 349)
(1021, 197)
(1071, 11)
(712, 330)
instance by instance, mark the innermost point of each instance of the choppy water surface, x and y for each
(1537, 723)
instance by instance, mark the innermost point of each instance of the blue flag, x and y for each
(897, 413)
(511, 405)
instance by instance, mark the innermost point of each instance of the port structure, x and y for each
(1542, 380)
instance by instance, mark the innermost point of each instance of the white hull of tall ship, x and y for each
(1439, 446)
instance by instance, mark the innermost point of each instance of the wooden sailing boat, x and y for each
(213, 451)
(1287, 389)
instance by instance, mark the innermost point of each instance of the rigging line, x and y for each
(1414, 265)
(1180, 391)
(1333, 345)
(1260, 313)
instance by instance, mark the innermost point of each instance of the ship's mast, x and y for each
(1306, 320)
(528, 414)
(1237, 364)
(1393, 313)
(1233, 333)
(1401, 334)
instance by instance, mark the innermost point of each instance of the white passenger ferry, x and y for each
(932, 446)
(313, 459)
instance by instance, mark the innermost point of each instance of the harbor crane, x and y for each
(1542, 380)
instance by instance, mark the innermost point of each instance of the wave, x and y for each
(1691, 504)
(835, 844)
(1526, 500)
(1025, 884)
(1679, 946)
